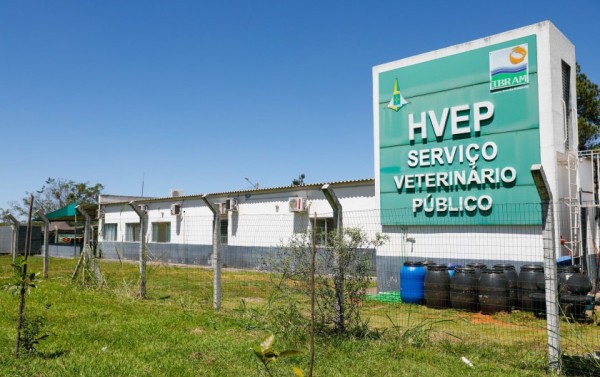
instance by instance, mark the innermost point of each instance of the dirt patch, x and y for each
(483, 319)
(254, 299)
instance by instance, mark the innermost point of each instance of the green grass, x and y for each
(175, 331)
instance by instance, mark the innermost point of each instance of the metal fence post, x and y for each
(338, 276)
(143, 254)
(46, 239)
(216, 255)
(15, 235)
(552, 314)
(335, 204)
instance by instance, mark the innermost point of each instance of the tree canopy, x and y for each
(299, 181)
(55, 194)
(588, 111)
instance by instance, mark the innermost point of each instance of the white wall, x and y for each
(262, 218)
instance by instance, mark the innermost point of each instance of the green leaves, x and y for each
(267, 355)
(588, 111)
(20, 278)
(343, 272)
(57, 193)
(31, 335)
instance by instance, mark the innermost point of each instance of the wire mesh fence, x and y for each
(466, 283)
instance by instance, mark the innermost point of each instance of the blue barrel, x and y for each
(412, 277)
(451, 268)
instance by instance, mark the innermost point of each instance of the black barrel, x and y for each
(493, 291)
(463, 289)
(437, 286)
(426, 264)
(513, 282)
(579, 284)
(573, 306)
(528, 284)
(478, 268)
(564, 273)
(573, 289)
(538, 299)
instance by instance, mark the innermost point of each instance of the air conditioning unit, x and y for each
(297, 204)
(223, 208)
(232, 204)
(176, 209)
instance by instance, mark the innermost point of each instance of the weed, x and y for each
(419, 335)
(251, 318)
(267, 355)
(33, 326)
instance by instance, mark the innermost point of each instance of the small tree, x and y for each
(345, 259)
(588, 111)
(299, 181)
(57, 193)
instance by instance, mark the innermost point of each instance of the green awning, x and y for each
(64, 213)
(70, 213)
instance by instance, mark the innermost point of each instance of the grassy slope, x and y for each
(176, 333)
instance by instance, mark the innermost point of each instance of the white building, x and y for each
(254, 223)
(441, 117)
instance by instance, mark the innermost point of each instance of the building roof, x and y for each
(239, 192)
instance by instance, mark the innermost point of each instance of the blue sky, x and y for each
(197, 95)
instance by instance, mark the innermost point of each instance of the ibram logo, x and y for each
(397, 100)
(509, 67)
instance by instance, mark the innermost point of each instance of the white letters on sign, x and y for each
(459, 120)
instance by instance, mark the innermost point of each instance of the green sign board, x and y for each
(458, 135)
